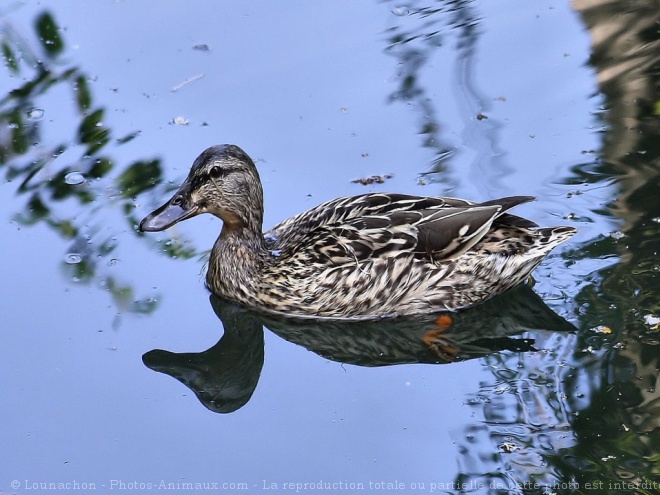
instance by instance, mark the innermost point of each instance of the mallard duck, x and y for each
(358, 257)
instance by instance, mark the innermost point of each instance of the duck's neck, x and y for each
(236, 261)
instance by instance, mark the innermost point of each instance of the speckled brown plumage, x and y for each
(368, 256)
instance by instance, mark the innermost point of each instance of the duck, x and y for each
(370, 256)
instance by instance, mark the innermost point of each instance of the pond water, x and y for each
(120, 373)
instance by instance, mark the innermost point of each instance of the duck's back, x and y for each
(383, 255)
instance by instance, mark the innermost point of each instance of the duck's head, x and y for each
(222, 181)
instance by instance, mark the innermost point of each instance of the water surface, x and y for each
(103, 107)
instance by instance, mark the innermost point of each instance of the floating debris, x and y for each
(601, 329)
(652, 321)
(202, 47)
(374, 179)
(617, 235)
(509, 447)
(582, 219)
(74, 178)
(180, 121)
(128, 137)
(502, 389)
(185, 82)
(481, 116)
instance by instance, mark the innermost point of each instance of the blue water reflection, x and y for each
(104, 106)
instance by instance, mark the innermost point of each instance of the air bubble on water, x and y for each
(401, 10)
(73, 258)
(74, 178)
(35, 114)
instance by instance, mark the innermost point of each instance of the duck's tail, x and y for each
(549, 238)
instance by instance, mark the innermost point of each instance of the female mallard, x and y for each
(368, 256)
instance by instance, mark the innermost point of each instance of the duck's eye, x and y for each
(216, 172)
(177, 200)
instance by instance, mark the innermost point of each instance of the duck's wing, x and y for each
(381, 225)
(292, 231)
(429, 234)
(343, 209)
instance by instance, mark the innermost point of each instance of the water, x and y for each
(119, 370)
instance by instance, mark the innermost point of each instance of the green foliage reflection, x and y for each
(48, 183)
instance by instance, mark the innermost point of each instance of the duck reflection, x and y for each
(225, 376)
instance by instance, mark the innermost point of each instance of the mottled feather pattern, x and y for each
(377, 224)
(367, 256)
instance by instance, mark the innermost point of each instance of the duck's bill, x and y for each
(166, 216)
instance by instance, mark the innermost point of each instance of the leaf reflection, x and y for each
(47, 183)
(49, 35)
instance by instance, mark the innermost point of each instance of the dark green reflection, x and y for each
(586, 417)
(618, 433)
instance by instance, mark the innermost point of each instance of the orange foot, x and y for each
(437, 343)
